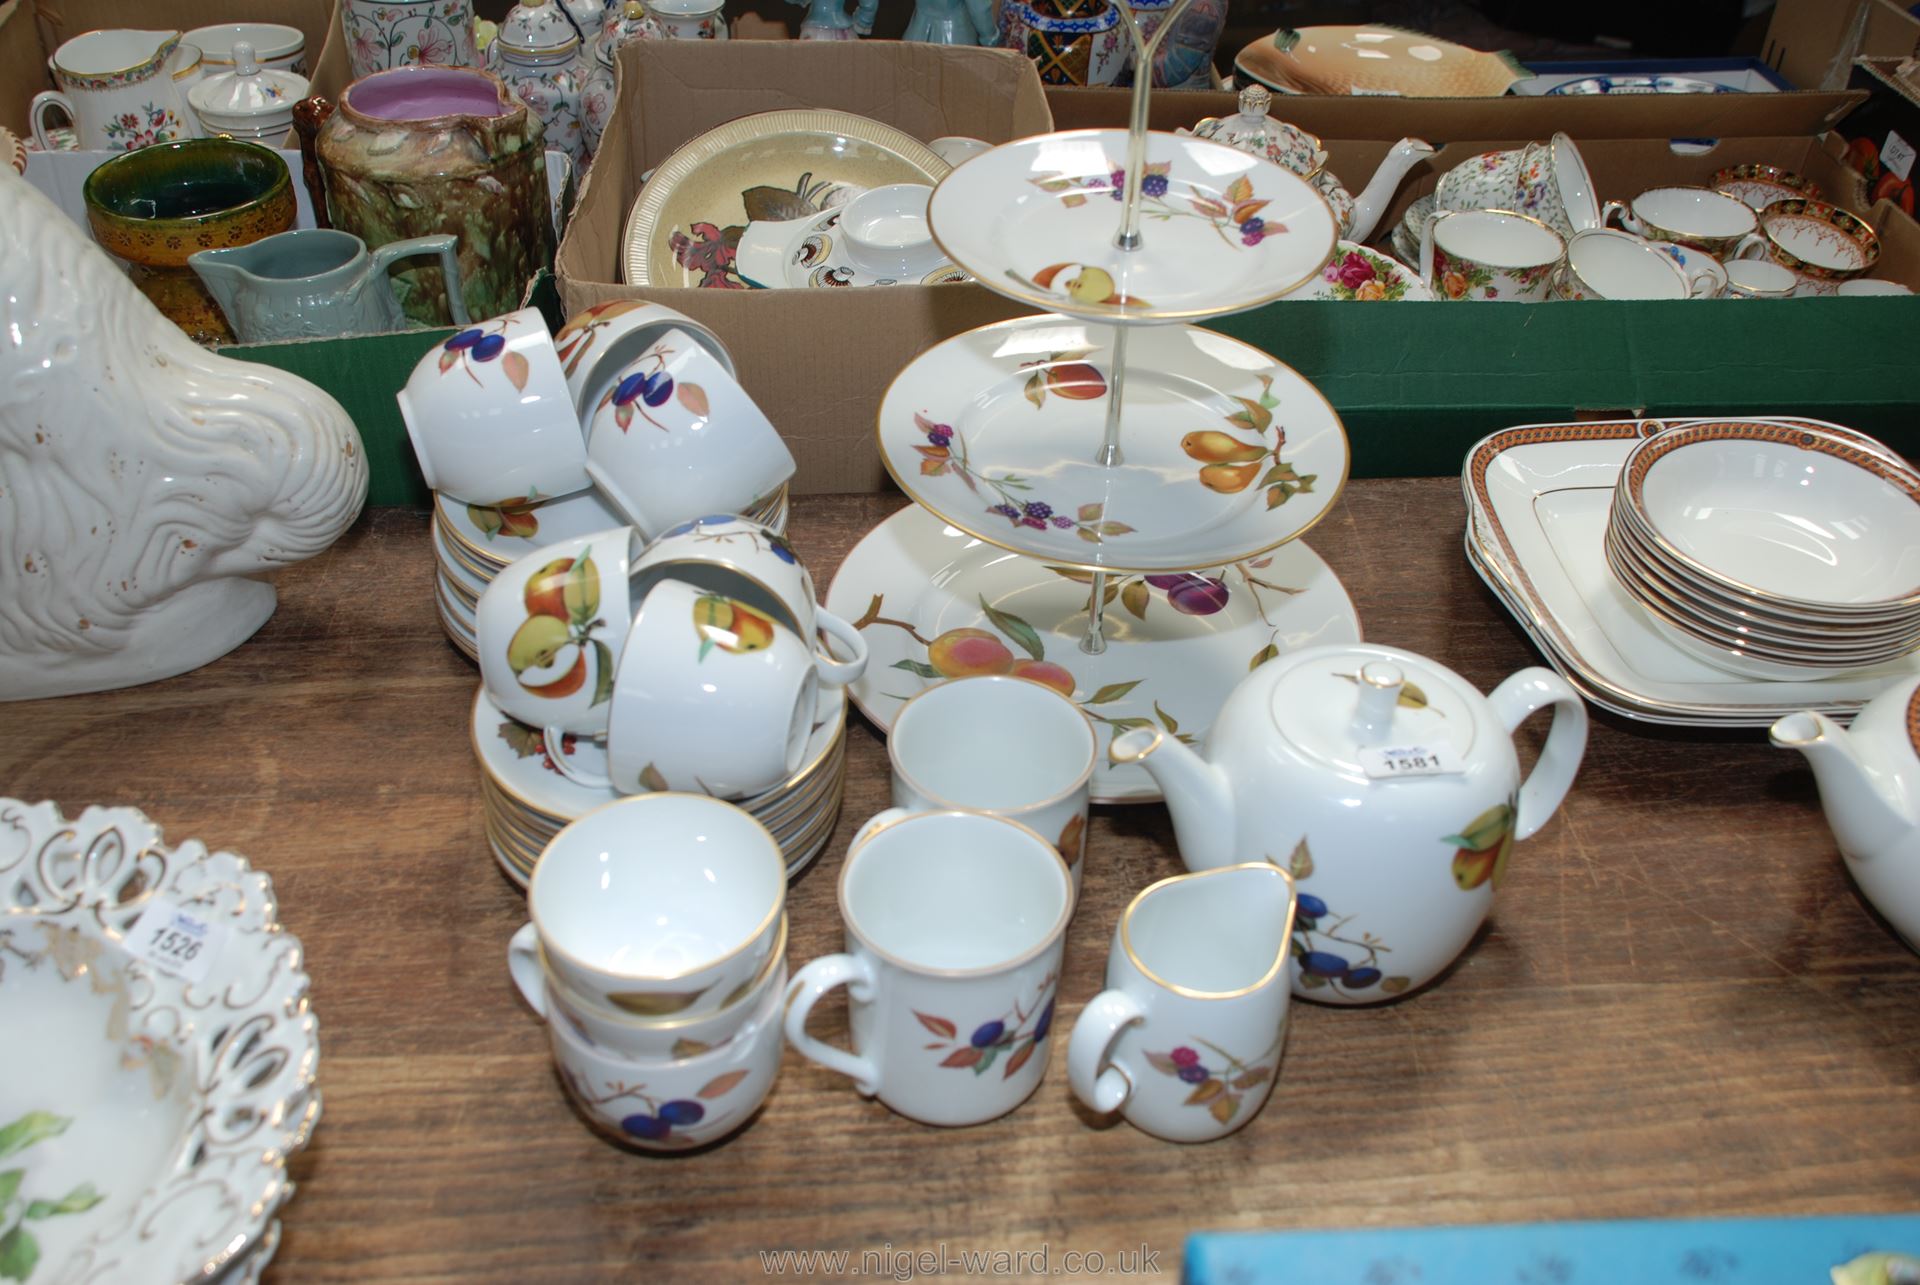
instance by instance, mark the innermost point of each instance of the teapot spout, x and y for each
(1378, 193)
(1863, 807)
(1197, 793)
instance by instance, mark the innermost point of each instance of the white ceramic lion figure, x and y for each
(146, 485)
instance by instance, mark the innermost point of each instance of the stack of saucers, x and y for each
(1771, 550)
(473, 543)
(528, 801)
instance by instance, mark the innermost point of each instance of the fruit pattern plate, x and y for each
(1221, 231)
(1537, 499)
(805, 254)
(149, 1112)
(686, 224)
(935, 603)
(1228, 453)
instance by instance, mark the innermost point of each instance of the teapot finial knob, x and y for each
(245, 63)
(1380, 683)
(1255, 100)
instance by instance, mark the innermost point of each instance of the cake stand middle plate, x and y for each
(1227, 452)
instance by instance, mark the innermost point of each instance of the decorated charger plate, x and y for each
(934, 603)
(1228, 453)
(685, 226)
(164, 1053)
(1221, 231)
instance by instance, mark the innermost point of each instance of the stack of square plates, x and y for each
(473, 543)
(1538, 503)
(528, 801)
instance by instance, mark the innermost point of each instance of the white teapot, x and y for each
(1386, 784)
(1869, 781)
(1290, 147)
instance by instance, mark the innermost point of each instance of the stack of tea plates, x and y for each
(1538, 498)
(528, 800)
(473, 543)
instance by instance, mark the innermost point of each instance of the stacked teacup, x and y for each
(657, 955)
(696, 663)
(1785, 550)
(501, 416)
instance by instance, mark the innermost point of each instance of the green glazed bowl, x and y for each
(157, 205)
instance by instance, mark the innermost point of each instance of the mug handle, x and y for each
(441, 245)
(36, 113)
(1096, 1079)
(808, 987)
(1546, 786)
(523, 963)
(553, 737)
(838, 673)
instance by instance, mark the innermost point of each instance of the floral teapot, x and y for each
(1292, 148)
(1386, 784)
(1869, 781)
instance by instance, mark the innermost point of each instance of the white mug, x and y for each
(491, 418)
(1185, 1041)
(711, 697)
(550, 629)
(675, 437)
(748, 560)
(998, 744)
(955, 922)
(1759, 279)
(119, 89)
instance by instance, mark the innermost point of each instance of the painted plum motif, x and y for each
(1234, 214)
(656, 1120)
(19, 1248)
(945, 454)
(652, 388)
(1221, 1084)
(480, 345)
(1015, 1035)
(1324, 957)
(548, 653)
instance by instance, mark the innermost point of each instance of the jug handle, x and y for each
(309, 114)
(1546, 786)
(440, 244)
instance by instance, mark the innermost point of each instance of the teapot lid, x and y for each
(1332, 703)
(537, 27)
(248, 92)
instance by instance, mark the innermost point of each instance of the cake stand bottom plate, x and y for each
(934, 603)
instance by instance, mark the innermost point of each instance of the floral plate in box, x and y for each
(1356, 274)
(1228, 453)
(166, 1053)
(1221, 230)
(934, 603)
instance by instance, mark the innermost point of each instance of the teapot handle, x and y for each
(1546, 786)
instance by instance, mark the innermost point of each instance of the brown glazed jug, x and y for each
(422, 150)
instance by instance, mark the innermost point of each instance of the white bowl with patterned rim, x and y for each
(1221, 230)
(172, 1051)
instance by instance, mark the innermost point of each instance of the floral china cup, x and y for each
(679, 1104)
(1489, 254)
(1185, 1040)
(1489, 181)
(1696, 263)
(675, 437)
(1386, 784)
(1759, 279)
(950, 748)
(550, 630)
(751, 563)
(663, 905)
(1761, 185)
(490, 415)
(1696, 216)
(118, 90)
(1819, 243)
(1604, 263)
(955, 925)
(1555, 188)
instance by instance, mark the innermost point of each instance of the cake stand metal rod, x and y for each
(1116, 396)
(1143, 51)
(1095, 643)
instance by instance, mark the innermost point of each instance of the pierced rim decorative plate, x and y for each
(1221, 230)
(684, 226)
(935, 603)
(1228, 453)
(146, 1124)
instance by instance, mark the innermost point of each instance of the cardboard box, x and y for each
(1883, 133)
(1813, 42)
(817, 361)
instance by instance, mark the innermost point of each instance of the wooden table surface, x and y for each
(1681, 1007)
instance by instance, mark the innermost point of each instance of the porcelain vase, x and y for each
(399, 33)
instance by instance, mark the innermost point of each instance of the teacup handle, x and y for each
(808, 987)
(442, 245)
(1618, 209)
(556, 755)
(1097, 1080)
(838, 673)
(1751, 241)
(1546, 786)
(36, 114)
(523, 963)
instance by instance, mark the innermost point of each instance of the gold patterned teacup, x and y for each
(1819, 243)
(1695, 216)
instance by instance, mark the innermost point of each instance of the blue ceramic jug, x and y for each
(314, 283)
